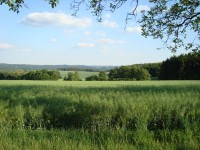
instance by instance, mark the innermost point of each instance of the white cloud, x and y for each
(86, 45)
(55, 19)
(5, 46)
(53, 40)
(142, 7)
(134, 29)
(110, 41)
(110, 24)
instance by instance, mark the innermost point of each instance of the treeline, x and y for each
(77, 69)
(11, 75)
(129, 73)
(32, 75)
(123, 73)
(86, 69)
(153, 68)
(16, 67)
(183, 67)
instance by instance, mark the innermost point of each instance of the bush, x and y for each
(92, 78)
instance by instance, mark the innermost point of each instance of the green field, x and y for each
(82, 74)
(100, 115)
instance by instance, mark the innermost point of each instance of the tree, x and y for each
(72, 76)
(138, 73)
(171, 68)
(183, 67)
(168, 20)
(129, 73)
(113, 74)
(103, 76)
(41, 75)
(153, 68)
(125, 72)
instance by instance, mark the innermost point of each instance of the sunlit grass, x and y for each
(99, 115)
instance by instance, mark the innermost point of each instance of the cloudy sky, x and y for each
(42, 35)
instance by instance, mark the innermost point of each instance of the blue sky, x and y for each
(42, 35)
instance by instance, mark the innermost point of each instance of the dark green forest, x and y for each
(183, 67)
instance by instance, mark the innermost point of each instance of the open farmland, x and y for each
(100, 115)
(83, 74)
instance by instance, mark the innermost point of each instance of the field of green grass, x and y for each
(111, 115)
(82, 74)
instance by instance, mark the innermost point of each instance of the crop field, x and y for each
(83, 74)
(113, 115)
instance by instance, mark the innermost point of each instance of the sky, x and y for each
(45, 36)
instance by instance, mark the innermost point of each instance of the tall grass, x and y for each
(100, 115)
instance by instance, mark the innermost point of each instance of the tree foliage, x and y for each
(31, 75)
(129, 73)
(72, 76)
(171, 20)
(183, 67)
(42, 75)
(11, 75)
(92, 78)
(153, 68)
(168, 20)
(102, 76)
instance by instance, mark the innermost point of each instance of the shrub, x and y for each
(92, 78)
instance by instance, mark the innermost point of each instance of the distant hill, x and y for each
(4, 66)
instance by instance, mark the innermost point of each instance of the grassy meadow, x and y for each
(114, 115)
(82, 74)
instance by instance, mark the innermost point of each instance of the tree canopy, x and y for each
(129, 73)
(31, 75)
(72, 76)
(183, 67)
(168, 20)
(101, 77)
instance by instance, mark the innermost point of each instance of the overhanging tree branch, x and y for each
(167, 19)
